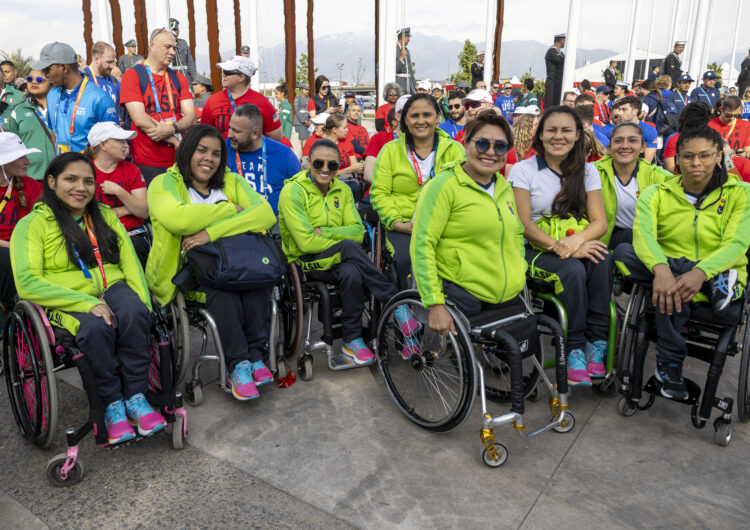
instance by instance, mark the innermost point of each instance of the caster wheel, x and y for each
(304, 368)
(723, 434)
(624, 408)
(567, 425)
(502, 455)
(280, 369)
(193, 393)
(54, 466)
(178, 432)
(607, 389)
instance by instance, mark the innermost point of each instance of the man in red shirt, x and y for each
(356, 134)
(235, 78)
(731, 126)
(160, 105)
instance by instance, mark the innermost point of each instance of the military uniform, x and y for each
(554, 60)
(743, 80)
(404, 74)
(673, 67)
(610, 78)
(183, 59)
(477, 74)
(128, 60)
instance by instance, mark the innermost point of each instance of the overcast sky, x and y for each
(29, 24)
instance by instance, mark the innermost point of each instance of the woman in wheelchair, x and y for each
(73, 257)
(401, 169)
(198, 200)
(322, 231)
(561, 208)
(467, 244)
(683, 265)
(625, 174)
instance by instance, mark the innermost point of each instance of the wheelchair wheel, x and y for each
(435, 388)
(628, 331)
(743, 387)
(291, 310)
(497, 376)
(29, 374)
(177, 319)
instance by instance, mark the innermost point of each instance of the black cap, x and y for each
(348, 94)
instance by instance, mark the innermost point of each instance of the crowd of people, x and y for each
(477, 190)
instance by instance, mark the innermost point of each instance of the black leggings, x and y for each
(7, 284)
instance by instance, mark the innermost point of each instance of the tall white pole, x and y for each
(673, 24)
(734, 45)
(647, 68)
(105, 25)
(705, 52)
(391, 34)
(690, 30)
(161, 14)
(250, 7)
(630, 59)
(383, 41)
(489, 41)
(699, 38)
(571, 46)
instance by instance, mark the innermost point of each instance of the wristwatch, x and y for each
(176, 130)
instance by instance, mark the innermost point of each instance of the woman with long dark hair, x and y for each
(198, 200)
(559, 201)
(690, 241)
(323, 99)
(403, 166)
(73, 257)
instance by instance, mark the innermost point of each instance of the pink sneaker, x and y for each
(358, 351)
(577, 374)
(116, 422)
(261, 374)
(411, 347)
(142, 415)
(406, 321)
(243, 387)
(595, 353)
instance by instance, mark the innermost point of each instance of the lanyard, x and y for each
(683, 99)
(8, 192)
(705, 94)
(231, 100)
(395, 136)
(264, 176)
(81, 88)
(168, 84)
(97, 255)
(731, 129)
(417, 169)
(92, 76)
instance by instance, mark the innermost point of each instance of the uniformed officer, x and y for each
(673, 63)
(676, 101)
(610, 75)
(183, 59)
(245, 51)
(130, 59)
(706, 92)
(743, 80)
(477, 69)
(554, 60)
(404, 73)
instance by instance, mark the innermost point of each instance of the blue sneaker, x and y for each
(595, 353)
(243, 386)
(577, 374)
(143, 416)
(406, 320)
(673, 384)
(261, 374)
(358, 351)
(116, 422)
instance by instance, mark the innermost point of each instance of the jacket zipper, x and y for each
(502, 250)
(695, 233)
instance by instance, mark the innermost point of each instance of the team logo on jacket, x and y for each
(722, 203)
(510, 207)
(336, 201)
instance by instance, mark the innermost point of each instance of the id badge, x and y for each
(62, 148)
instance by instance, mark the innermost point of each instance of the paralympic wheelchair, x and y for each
(710, 339)
(34, 350)
(436, 387)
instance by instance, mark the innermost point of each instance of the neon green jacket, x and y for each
(717, 235)
(44, 275)
(466, 237)
(395, 187)
(648, 174)
(174, 216)
(302, 208)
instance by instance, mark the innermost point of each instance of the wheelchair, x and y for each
(436, 387)
(710, 339)
(34, 350)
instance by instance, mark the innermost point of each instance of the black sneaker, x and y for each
(672, 383)
(723, 290)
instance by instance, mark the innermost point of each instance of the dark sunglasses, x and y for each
(318, 164)
(482, 145)
(389, 94)
(325, 87)
(507, 88)
(472, 104)
(227, 73)
(456, 106)
(37, 79)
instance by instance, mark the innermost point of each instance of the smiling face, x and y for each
(74, 187)
(421, 119)
(323, 176)
(488, 163)
(559, 134)
(206, 159)
(697, 159)
(626, 144)
(456, 109)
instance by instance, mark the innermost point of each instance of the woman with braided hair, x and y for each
(18, 193)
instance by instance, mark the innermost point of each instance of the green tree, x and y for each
(302, 69)
(467, 56)
(23, 64)
(716, 67)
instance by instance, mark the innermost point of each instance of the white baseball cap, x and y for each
(424, 84)
(320, 119)
(106, 130)
(400, 102)
(478, 94)
(12, 148)
(436, 86)
(239, 63)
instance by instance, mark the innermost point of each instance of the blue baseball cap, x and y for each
(684, 77)
(603, 89)
(710, 74)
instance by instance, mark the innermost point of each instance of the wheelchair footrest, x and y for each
(653, 386)
(339, 361)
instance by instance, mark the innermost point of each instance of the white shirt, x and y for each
(213, 196)
(627, 197)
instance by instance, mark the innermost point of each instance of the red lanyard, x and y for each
(75, 108)
(95, 244)
(417, 169)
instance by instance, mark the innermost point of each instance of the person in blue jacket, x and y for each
(706, 92)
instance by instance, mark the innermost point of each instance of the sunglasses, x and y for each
(318, 164)
(37, 79)
(325, 87)
(482, 145)
(508, 88)
(389, 94)
(227, 73)
(472, 104)
(456, 106)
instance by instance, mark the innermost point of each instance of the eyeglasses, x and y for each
(227, 73)
(456, 106)
(482, 145)
(704, 156)
(37, 79)
(732, 116)
(507, 88)
(318, 164)
(325, 87)
(472, 104)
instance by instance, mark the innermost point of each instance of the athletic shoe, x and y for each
(142, 415)
(243, 387)
(116, 422)
(723, 290)
(405, 319)
(577, 374)
(673, 385)
(595, 353)
(261, 374)
(411, 347)
(358, 351)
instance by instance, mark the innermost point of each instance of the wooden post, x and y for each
(87, 29)
(141, 27)
(310, 47)
(377, 49)
(237, 28)
(498, 39)
(291, 51)
(191, 25)
(114, 8)
(212, 14)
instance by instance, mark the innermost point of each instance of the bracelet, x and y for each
(174, 124)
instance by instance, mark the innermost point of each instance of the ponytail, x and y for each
(20, 195)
